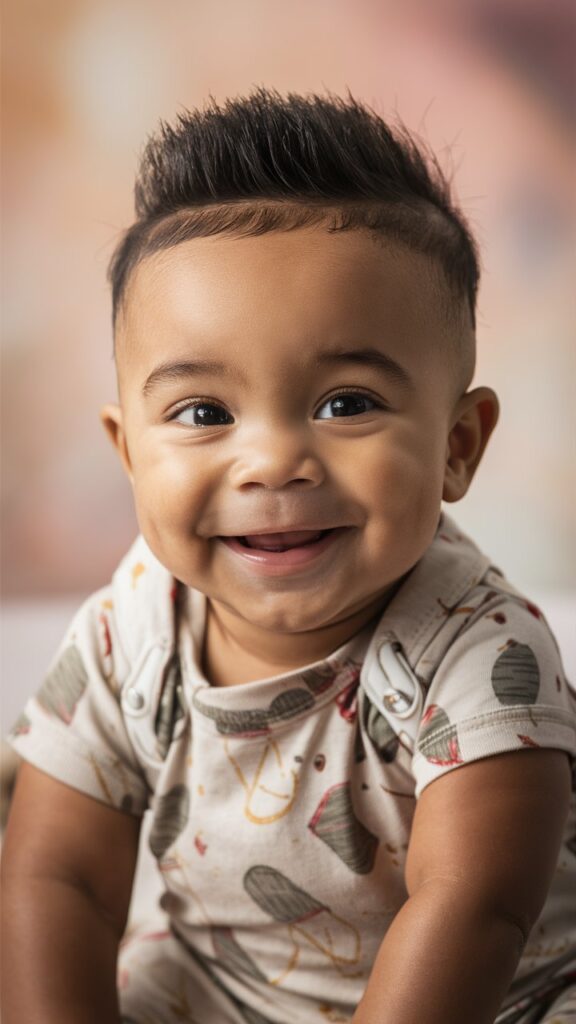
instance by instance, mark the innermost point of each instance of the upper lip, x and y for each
(292, 528)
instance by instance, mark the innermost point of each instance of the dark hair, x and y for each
(267, 162)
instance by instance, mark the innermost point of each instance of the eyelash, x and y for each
(210, 401)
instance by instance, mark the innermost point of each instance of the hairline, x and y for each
(208, 221)
(381, 219)
(249, 217)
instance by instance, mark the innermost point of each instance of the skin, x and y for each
(267, 306)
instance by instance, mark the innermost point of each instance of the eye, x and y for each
(202, 414)
(347, 404)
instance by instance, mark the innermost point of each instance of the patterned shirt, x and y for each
(282, 808)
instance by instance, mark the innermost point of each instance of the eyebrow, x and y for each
(370, 357)
(169, 372)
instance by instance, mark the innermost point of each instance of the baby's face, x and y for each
(288, 383)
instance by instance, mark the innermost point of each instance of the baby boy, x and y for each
(353, 734)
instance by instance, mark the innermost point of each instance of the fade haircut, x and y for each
(268, 162)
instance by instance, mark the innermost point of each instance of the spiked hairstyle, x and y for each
(268, 162)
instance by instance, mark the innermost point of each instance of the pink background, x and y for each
(489, 84)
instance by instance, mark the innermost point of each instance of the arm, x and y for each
(482, 853)
(67, 864)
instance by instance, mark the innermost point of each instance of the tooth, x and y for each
(293, 538)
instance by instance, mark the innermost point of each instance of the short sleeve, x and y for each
(73, 728)
(500, 687)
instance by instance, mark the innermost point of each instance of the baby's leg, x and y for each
(160, 983)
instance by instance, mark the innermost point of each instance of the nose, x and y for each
(279, 457)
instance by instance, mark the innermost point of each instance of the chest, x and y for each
(274, 823)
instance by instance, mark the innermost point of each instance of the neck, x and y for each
(237, 652)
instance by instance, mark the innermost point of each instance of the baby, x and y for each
(353, 734)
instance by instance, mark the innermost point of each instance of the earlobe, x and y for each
(111, 417)
(475, 417)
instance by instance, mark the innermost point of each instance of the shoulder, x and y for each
(505, 637)
(113, 628)
(484, 666)
(459, 609)
(76, 728)
(133, 611)
(499, 686)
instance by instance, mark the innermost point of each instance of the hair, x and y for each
(268, 162)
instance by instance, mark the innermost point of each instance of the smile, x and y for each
(282, 541)
(283, 552)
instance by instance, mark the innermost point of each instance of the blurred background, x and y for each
(490, 84)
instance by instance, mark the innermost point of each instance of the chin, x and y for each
(278, 617)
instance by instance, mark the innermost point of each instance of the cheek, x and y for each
(402, 469)
(403, 494)
(170, 488)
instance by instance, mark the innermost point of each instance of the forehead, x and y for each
(298, 288)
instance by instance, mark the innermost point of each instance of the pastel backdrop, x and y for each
(488, 83)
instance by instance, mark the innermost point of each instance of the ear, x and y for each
(111, 416)
(474, 419)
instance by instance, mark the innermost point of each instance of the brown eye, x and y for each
(203, 414)
(346, 405)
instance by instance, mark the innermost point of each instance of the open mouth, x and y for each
(282, 541)
(278, 553)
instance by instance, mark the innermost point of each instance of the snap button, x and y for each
(397, 702)
(134, 699)
(403, 696)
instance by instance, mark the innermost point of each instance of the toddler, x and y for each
(354, 735)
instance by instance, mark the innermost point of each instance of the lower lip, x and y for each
(277, 562)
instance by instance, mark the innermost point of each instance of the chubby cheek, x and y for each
(170, 493)
(403, 498)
